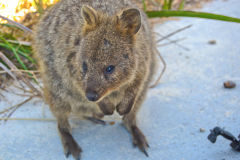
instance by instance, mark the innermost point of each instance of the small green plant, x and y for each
(168, 12)
(17, 51)
(39, 6)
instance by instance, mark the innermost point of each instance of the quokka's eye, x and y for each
(84, 67)
(109, 69)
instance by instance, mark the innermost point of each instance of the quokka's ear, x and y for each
(129, 21)
(89, 15)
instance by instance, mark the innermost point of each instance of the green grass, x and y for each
(168, 12)
(20, 55)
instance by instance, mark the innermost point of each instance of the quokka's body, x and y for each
(95, 56)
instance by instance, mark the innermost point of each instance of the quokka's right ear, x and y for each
(89, 15)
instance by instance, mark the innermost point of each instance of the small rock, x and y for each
(229, 84)
(112, 123)
(212, 42)
(202, 130)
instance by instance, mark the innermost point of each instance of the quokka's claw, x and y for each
(139, 140)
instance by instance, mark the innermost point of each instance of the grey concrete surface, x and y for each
(191, 96)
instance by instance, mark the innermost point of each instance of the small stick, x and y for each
(29, 119)
(179, 45)
(6, 70)
(17, 24)
(23, 95)
(171, 42)
(175, 32)
(19, 74)
(20, 42)
(160, 56)
(163, 70)
(23, 89)
(16, 106)
(27, 71)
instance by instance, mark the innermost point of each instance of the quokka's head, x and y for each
(107, 58)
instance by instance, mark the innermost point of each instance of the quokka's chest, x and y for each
(83, 107)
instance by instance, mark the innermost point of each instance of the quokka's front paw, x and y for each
(70, 146)
(139, 140)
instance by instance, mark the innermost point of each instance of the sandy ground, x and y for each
(190, 97)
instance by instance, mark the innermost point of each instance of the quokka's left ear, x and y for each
(129, 21)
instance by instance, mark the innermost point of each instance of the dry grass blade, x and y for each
(20, 75)
(171, 42)
(7, 61)
(160, 56)
(163, 70)
(20, 42)
(173, 33)
(6, 70)
(26, 71)
(29, 119)
(14, 108)
(23, 89)
(17, 24)
(17, 105)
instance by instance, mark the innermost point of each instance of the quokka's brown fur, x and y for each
(95, 56)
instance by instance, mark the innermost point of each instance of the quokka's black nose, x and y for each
(92, 95)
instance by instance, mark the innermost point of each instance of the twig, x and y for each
(20, 75)
(20, 42)
(175, 32)
(17, 24)
(7, 61)
(173, 41)
(16, 106)
(29, 119)
(163, 70)
(8, 71)
(22, 95)
(160, 56)
(23, 89)
(27, 71)
(185, 48)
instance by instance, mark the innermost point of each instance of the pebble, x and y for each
(202, 130)
(229, 84)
